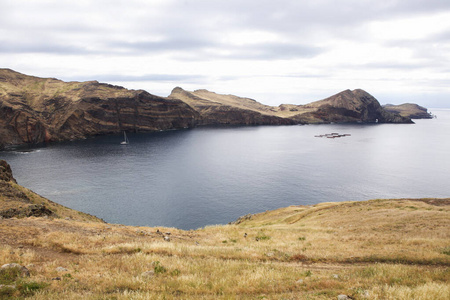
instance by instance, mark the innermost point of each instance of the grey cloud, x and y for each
(275, 51)
(50, 47)
(108, 78)
(194, 27)
(167, 45)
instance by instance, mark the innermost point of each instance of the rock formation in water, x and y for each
(35, 110)
(409, 110)
(345, 107)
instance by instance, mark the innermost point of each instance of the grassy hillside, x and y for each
(379, 249)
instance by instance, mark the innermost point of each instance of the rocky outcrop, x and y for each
(19, 202)
(36, 110)
(409, 110)
(6, 172)
(34, 210)
(348, 107)
(16, 203)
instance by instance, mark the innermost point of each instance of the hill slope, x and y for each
(18, 202)
(215, 109)
(344, 107)
(366, 250)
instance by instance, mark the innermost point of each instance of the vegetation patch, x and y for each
(318, 257)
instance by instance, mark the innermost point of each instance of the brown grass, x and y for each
(380, 249)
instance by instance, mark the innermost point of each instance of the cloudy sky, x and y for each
(283, 51)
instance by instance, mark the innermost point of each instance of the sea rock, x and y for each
(24, 272)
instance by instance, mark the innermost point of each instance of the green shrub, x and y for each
(159, 269)
(9, 275)
(29, 288)
(262, 237)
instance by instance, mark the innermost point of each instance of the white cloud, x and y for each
(273, 51)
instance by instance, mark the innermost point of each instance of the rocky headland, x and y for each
(36, 110)
(348, 106)
(409, 110)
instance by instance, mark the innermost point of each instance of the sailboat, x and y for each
(125, 139)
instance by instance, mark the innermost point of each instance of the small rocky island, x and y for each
(409, 110)
(37, 110)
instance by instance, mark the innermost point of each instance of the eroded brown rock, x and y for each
(35, 110)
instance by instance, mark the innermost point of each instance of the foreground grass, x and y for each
(379, 249)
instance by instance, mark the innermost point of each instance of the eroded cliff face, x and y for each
(409, 110)
(35, 110)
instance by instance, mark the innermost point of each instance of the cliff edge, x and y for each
(19, 202)
(409, 110)
(35, 110)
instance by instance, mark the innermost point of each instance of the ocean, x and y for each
(204, 176)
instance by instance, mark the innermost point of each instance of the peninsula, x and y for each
(36, 110)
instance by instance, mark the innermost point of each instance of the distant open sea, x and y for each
(204, 176)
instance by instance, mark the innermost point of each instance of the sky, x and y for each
(283, 51)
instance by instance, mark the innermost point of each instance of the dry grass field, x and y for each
(378, 249)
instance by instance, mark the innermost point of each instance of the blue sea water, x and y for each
(204, 176)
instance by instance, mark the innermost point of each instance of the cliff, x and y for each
(35, 110)
(348, 106)
(409, 110)
(19, 202)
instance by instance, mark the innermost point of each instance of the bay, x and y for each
(192, 178)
